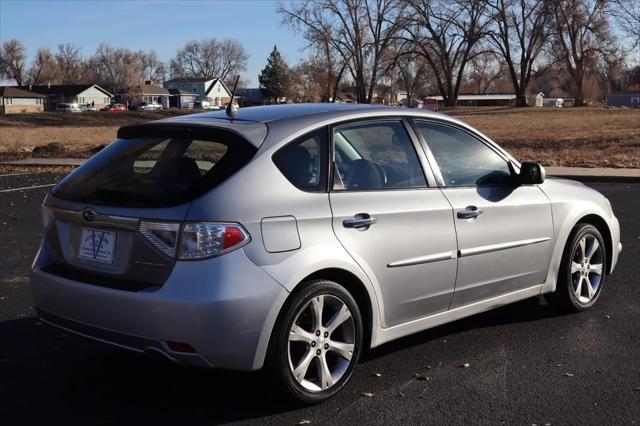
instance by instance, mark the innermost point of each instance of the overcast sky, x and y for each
(161, 25)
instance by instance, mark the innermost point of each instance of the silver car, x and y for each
(297, 236)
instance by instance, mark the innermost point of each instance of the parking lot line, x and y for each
(27, 188)
(15, 174)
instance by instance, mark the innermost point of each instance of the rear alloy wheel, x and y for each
(319, 341)
(583, 269)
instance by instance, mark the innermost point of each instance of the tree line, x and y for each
(442, 46)
(116, 68)
(371, 48)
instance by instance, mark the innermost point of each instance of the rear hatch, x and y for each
(116, 220)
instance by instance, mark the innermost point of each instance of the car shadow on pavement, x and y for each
(48, 375)
(528, 310)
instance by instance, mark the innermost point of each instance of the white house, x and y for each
(81, 94)
(212, 90)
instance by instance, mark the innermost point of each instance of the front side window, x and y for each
(463, 159)
(303, 161)
(375, 156)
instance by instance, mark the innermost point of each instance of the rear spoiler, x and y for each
(253, 133)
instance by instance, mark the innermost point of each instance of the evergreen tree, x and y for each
(274, 77)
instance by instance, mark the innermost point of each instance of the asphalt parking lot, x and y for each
(527, 363)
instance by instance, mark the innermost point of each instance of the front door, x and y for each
(397, 229)
(504, 230)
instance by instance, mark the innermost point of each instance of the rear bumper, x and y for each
(224, 307)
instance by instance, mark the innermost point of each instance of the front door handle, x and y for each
(470, 212)
(360, 221)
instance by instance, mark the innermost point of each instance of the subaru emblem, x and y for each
(89, 215)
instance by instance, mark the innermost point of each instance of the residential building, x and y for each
(181, 98)
(627, 99)
(148, 92)
(480, 100)
(14, 100)
(212, 90)
(250, 97)
(80, 94)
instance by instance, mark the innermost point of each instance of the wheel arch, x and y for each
(351, 283)
(602, 227)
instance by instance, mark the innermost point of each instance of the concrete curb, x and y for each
(45, 162)
(576, 173)
(585, 174)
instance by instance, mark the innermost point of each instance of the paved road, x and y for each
(527, 363)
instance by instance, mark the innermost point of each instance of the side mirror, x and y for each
(531, 174)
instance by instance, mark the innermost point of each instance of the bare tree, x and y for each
(357, 31)
(581, 35)
(520, 34)
(209, 59)
(151, 66)
(485, 70)
(307, 81)
(333, 65)
(446, 33)
(69, 63)
(13, 57)
(43, 68)
(627, 14)
(117, 68)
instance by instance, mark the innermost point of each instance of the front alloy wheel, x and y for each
(320, 340)
(586, 268)
(582, 272)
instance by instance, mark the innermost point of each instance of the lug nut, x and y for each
(313, 344)
(326, 334)
(326, 346)
(318, 352)
(317, 332)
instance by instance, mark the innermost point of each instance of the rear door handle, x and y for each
(359, 221)
(470, 212)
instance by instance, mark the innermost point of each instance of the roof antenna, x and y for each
(232, 107)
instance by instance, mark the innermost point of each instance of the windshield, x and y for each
(155, 172)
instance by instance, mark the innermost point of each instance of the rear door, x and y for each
(396, 227)
(504, 230)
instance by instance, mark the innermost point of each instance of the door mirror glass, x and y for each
(531, 174)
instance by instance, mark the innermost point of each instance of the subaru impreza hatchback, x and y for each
(295, 237)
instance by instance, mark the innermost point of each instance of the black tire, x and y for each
(565, 296)
(279, 364)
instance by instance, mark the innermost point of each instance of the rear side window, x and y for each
(304, 161)
(375, 156)
(155, 172)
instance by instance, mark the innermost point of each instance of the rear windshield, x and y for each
(155, 172)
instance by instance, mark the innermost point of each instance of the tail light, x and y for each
(197, 240)
(201, 240)
(163, 236)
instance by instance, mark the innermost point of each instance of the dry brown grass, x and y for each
(575, 137)
(578, 137)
